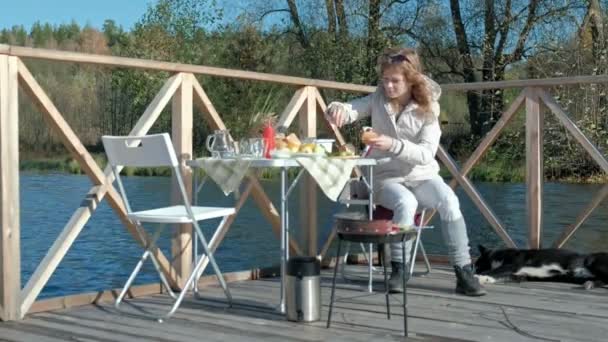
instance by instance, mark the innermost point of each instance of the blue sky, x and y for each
(94, 12)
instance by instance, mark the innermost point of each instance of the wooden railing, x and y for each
(185, 92)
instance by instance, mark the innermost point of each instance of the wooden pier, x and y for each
(510, 312)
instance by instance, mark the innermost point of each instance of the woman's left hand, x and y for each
(382, 142)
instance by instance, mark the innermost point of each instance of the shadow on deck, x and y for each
(510, 312)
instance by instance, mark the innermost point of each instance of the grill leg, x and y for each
(386, 292)
(333, 283)
(404, 293)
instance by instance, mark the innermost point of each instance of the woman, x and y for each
(404, 113)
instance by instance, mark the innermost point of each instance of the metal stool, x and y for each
(382, 213)
(352, 227)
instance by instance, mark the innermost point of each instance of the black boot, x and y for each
(395, 283)
(466, 282)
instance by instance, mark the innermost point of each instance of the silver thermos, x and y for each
(303, 289)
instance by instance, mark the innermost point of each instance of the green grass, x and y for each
(501, 172)
(498, 173)
(69, 165)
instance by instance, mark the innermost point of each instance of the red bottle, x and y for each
(268, 135)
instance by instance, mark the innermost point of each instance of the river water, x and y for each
(104, 253)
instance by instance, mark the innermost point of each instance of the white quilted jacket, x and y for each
(416, 138)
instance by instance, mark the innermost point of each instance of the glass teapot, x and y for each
(219, 144)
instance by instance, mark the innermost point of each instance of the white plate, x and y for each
(284, 154)
(308, 155)
(345, 157)
(280, 154)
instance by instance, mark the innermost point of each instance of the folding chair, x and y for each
(153, 151)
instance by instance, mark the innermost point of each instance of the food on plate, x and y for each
(368, 135)
(293, 141)
(306, 148)
(292, 144)
(280, 144)
(346, 150)
(311, 148)
(319, 149)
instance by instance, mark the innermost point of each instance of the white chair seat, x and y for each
(178, 214)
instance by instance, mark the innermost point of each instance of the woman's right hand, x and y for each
(336, 114)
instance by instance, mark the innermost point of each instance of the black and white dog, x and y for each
(558, 265)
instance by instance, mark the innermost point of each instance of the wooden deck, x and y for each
(510, 312)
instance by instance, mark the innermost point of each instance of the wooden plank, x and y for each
(260, 325)
(56, 121)
(203, 103)
(525, 311)
(595, 154)
(569, 231)
(60, 247)
(130, 321)
(106, 296)
(475, 197)
(294, 105)
(77, 57)
(237, 324)
(182, 127)
(578, 135)
(158, 103)
(10, 254)
(124, 325)
(491, 137)
(340, 140)
(75, 332)
(19, 333)
(539, 82)
(308, 195)
(322, 107)
(432, 303)
(534, 167)
(67, 56)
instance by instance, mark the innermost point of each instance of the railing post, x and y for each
(10, 255)
(308, 195)
(534, 167)
(181, 123)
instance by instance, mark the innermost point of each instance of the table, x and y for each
(284, 164)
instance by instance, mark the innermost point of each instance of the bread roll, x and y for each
(368, 135)
(293, 141)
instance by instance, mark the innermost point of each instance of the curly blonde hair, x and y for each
(408, 61)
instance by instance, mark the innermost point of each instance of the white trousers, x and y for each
(405, 198)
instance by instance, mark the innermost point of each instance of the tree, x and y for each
(487, 49)
(594, 22)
